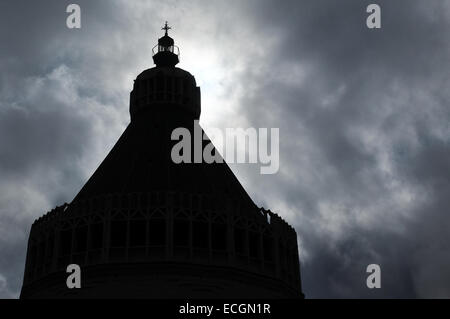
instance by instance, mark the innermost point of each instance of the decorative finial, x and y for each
(166, 27)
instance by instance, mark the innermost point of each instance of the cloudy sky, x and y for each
(363, 115)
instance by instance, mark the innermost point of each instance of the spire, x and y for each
(166, 28)
(165, 53)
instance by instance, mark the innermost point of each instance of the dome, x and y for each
(165, 88)
(166, 41)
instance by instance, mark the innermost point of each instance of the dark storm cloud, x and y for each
(364, 140)
(48, 117)
(63, 103)
(363, 117)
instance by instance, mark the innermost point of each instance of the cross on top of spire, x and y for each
(166, 27)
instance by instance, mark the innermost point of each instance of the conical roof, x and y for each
(141, 162)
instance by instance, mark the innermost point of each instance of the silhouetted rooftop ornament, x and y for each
(167, 54)
(166, 28)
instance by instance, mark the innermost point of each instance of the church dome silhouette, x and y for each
(145, 227)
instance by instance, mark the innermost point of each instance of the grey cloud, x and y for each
(364, 141)
(363, 118)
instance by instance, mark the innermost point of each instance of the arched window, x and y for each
(137, 232)
(181, 232)
(66, 242)
(157, 232)
(81, 238)
(118, 233)
(200, 234)
(96, 236)
(219, 236)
